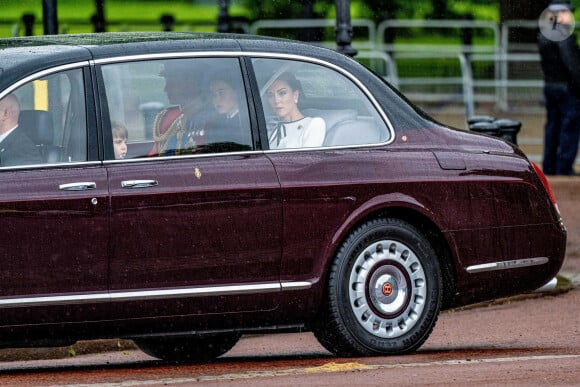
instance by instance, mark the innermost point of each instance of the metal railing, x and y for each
(385, 25)
(523, 94)
(384, 58)
(367, 42)
(466, 86)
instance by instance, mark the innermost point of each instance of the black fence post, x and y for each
(28, 21)
(49, 17)
(167, 21)
(344, 28)
(98, 19)
(467, 36)
(223, 16)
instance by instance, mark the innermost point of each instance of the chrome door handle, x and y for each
(81, 186)
(138, 183)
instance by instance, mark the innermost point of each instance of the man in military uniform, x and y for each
(180, 128)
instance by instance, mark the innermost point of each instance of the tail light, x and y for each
(546, 185)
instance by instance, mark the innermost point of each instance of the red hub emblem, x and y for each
(387, 289)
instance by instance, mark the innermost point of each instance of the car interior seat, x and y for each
(345, 127)
(37, 125)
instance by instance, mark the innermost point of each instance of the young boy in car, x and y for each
(120, 135)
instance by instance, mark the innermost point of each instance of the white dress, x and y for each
(307, 132)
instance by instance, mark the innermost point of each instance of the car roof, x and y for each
(23, 56)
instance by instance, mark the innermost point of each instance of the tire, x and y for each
(188, 349)
(383, 294)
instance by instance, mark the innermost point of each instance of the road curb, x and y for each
(84, 347)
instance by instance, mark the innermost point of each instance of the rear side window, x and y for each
(51, 121)
(177, 107)
(308, 105)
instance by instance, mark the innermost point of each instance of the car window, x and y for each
(309, 105)
(177, 107)
(51, 121)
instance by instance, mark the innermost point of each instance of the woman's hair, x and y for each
(291, 80)
(221, 75)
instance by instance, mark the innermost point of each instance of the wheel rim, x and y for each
(387, 289)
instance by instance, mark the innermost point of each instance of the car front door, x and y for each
(54, 214)
(196, 213)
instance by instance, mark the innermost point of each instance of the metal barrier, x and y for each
(382, 63)
(438, 24)
(471, 85)
(467, 88)
(504, 83)
(300, 24)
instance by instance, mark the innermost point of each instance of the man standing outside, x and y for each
(15, 147)
(560, 60)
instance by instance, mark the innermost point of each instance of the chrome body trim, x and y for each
(167, 55)
(146, 183)
(182, 157)
(503, 265)
(142, 295)
(80, 186)
(64, 164)
(548, 287)
(296, 285)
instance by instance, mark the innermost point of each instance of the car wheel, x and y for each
(383, 293)
(189, 349)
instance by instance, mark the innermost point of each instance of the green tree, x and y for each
(521, 10)
(277, 9)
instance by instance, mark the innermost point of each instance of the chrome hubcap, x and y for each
(387, 289)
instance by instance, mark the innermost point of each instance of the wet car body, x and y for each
(181, 252)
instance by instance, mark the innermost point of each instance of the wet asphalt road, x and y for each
(532, 340)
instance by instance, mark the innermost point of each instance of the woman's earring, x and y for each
(295, 100)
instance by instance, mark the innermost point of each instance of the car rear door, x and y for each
(54, 215)
(194, 231)
(322, 186)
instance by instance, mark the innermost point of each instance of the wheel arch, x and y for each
(416, 216)
(437, 241)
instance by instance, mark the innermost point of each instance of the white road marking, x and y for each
(326, 368)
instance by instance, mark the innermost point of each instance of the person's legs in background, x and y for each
(569, 135)
(553, 99)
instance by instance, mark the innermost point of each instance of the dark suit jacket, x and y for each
(222, 129)
(18, 149)
(560, 62)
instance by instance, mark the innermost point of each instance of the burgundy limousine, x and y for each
(183, 189)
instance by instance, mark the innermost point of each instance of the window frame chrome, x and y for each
(92, 63)
(251, 55)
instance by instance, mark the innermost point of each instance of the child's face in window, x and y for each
(120, 146)
(224, 97)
